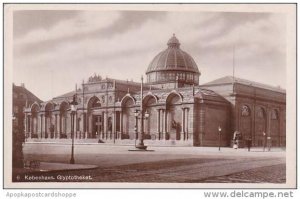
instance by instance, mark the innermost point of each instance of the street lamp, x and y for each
(219, 138)
(143, 117)
(136, 114)
(74, 104)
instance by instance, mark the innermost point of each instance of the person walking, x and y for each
(249, 143)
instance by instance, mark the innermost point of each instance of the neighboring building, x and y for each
(258, 110)
(22, 98)
(181, 112)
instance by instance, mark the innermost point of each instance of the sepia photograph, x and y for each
(149, 96)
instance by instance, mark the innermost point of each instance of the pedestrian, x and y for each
(249, 142)
(235, 139)
(235, 144)
(269, 143)
(264, 141)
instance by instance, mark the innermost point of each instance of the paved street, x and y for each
(270, 174)
(166, 164)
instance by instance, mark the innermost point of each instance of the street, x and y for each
(165, 164)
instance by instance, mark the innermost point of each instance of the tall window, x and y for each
(260, 113)
(274, 115)
(152, 77)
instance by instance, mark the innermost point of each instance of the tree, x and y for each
(18, 140)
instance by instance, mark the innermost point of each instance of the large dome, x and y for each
(171, 64)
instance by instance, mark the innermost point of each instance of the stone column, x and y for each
(86, 125)
(25, 125)
(269, 115)
(187, 124)
(60, 124)
(182, 130)
(51, 122)
(90, 125)
(29, 125)
(46, 127)
(36, 124)
(55, 127)
(69, 124)
(85, 122)
(42, 133)
(105, 124)
(167, 115)
(39, 133)
(102, 130)
(121, 123)
(163, 124)
(80, 127)
(158, 123)
(65, 125)
(33, 125)
(114, 125)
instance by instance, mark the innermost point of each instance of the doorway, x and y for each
(97, 126)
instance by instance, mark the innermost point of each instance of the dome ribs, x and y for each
(183, 57)
(168, 51)
(175, 58)
(170, 63)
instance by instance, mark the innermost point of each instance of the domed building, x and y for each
(170, 108)
(173, 66)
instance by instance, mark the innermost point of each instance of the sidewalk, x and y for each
(97, 149)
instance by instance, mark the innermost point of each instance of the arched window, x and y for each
(245, 111)
(274, 115)
(94, 102)
(260, 112)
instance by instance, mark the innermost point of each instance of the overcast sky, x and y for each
(54, 50)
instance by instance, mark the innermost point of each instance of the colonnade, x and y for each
(41, 126)
(163, 123)
(57, 125)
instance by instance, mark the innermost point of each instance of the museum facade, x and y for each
(173, 109)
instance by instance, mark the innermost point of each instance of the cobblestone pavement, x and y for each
(269, 174)
(192, 170)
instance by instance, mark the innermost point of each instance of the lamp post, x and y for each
(136, 114)
(74, 104)
(219, 138)
(143, 117)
